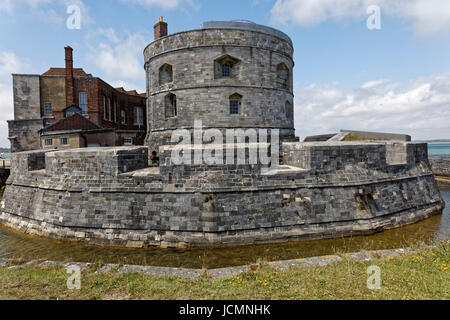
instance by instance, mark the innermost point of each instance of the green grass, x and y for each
(422, 275)
(355, 137)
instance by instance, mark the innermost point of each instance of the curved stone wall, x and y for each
(203, 95)
(109, 196)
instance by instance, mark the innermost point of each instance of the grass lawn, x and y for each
(421, 275)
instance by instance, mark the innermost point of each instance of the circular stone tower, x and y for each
(228, 75)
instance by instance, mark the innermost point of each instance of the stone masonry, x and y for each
(108, 195)
(319, 190)
(441, 166)
(200, 95)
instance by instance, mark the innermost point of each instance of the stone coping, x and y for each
(220, 272)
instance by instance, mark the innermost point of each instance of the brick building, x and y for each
(44, 103)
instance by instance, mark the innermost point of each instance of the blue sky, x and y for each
(394, 79)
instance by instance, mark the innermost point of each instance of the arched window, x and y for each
(225, 66)
(289, 110)
(170, 105)
(235, 103)
(282, 81)
(165, 74)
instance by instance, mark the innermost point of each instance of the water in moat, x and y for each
(18, 246)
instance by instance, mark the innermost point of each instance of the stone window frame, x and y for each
(235, 104)
(170, 106)
(225, 67)
(83, 102)
(283, 76)
(61, 141)
(48, 142)
(48, 105)
(168, 68)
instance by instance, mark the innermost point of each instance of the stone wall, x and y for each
(441, 166)
(24, 134)
(27, 97)
(201, 95)
(108, 195)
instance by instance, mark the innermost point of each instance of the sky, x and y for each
(374, 65)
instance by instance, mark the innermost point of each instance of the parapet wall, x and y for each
(441, 166)
(320, 190)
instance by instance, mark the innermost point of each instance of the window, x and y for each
(105, 116)
(138, 116)
(226, 70)
(282, 81)
(109, 110)
(115, 112)
(64, 141)
(123, 117)
(83, 102)
(170, 105)
(165, 74)
(128, 141)
(235, 103)
(48, 142)
(48, 109)
(225, 66)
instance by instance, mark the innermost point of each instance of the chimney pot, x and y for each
(160, 28)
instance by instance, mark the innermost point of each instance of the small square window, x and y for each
(48, 142)
(64, 141)
(128, 141)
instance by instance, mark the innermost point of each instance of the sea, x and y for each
(439, 149)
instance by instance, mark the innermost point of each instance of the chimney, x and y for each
(160, 29)
(69, 77)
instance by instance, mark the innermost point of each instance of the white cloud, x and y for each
(421, 108)
(53, 11)
(425, 16)
(118, 57)
(9, 63)
(126, 85)
(373, 83)
(6, 6)
(165, 4)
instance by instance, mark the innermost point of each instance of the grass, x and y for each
(421, 275)
(355, 137)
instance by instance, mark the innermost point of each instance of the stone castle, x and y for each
(229, 76)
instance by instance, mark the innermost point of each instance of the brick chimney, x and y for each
(160, 29)
(69, 77)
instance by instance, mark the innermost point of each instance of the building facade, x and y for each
(43, 100)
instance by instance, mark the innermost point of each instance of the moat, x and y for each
(19, 246)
